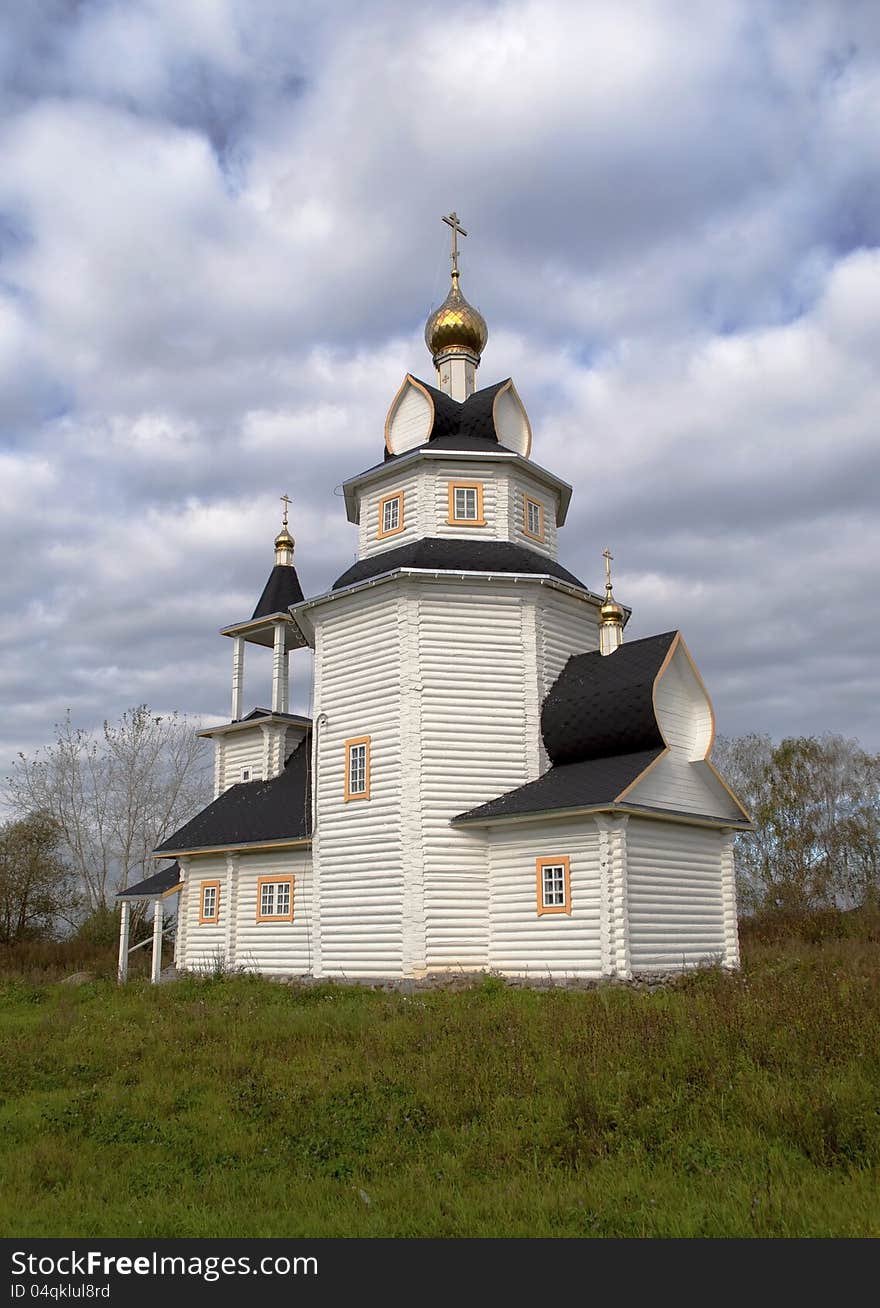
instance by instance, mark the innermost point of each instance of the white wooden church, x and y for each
(491, 776)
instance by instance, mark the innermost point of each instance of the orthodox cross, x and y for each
(287, 502)
(451, 220)
(607, 556)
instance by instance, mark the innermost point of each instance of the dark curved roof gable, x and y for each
(462, 424)
(280, 591)
(603, 705)
(254, 812)
(457, 554)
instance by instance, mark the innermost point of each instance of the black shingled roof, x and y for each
(156, 884)
(595, 781)
(602, 705)
(457, 554)
(280, 591)
(254, 812)
(462, 424)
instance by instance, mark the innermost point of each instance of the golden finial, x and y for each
(610, 612)
(456, 325)
(284, 542)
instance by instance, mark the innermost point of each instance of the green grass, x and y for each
(725, 1106)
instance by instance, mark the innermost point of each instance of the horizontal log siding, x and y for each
(369, 541)
(242, 749)
(517, 488)
(473, 746)
(494, 480)
(674, 895)
(204, 946)
(360, 880)
(556, 944)
(278, 948)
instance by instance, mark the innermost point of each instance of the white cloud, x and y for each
(219, 240)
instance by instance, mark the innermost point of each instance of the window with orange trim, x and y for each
(553, 885)
(391, 521)
(357, 768)
(274, 899)
(209, 903)
(466, 504)
(533, 518)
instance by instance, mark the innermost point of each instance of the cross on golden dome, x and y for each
(452, 221)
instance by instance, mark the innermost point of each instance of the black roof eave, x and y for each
(585, 810)
(301, 612)
(283, 842)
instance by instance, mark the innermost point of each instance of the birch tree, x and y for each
(815, 803)
(114, 793)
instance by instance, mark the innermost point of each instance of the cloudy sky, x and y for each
(220, 238)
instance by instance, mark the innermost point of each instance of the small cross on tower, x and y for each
(451, 220)
(286, 500)
(607, 556)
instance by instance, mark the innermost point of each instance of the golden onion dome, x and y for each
(610, 612)
(456, 325)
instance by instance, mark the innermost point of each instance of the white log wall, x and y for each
(518, 487)
(557, 945)
(358, 844)
(202, 948)
(277, 948)
(674, 895)
(241, 749)
(426, 505)
(474, 745)
(369, 540)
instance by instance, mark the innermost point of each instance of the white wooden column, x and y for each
(124, 926)
(618, 907)
(232, 863)
(156, 967)
(182, 914)
(606, 906)
(280, 694)
(237, 676)
(728, 901)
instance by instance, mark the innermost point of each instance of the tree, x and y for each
(114, 794)
(36, 886)
(815, 803)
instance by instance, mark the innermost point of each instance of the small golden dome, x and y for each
(456, 325)
(610, 612)
(284, 538)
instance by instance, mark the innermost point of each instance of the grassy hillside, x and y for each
(727, 1105)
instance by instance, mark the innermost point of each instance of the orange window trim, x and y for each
(564, 863)
(274, 917)
(381, 534)
(527, 500)
(349, 745)
(479, 520)
(209, 921)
